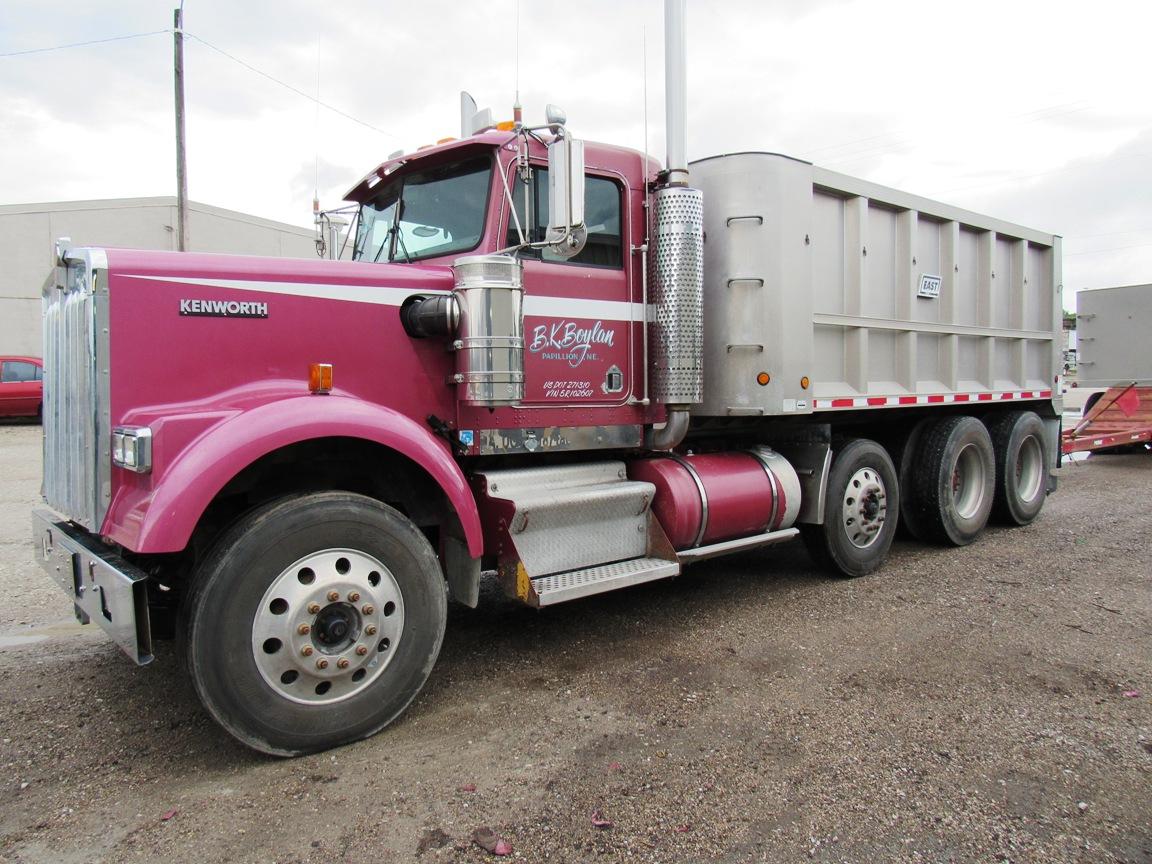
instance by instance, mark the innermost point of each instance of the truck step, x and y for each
(604, 577)
(561, 519)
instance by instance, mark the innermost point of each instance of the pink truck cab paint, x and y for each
(551, 363)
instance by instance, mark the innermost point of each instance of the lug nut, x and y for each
(304, 629)
(342, 663)
(354, 597)
(313, 608)
(306, 650)
(361, 650)
(370, 629)
(321, 663)
(368, 609)
(333, 596)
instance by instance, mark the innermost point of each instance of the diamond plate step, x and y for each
(605, 577)
(569, 517)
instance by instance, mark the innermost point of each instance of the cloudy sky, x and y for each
(1035, 112)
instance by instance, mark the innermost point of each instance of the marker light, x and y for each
(763, 378)
(506, 125)
(132, 448)
(804, 382)
(320, 378)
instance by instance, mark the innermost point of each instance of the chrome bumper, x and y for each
(104, 587)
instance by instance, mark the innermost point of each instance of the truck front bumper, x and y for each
(104, 587)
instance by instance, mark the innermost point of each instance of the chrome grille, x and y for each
(76, 480)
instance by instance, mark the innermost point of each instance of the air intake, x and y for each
(489, 292)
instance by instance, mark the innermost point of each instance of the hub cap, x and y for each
(327, 626)
(968, 482)
(865, 507)
(1029, 470)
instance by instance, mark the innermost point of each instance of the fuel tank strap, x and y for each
(676, 457)
(771, 482)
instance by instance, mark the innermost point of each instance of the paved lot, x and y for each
(963, 705)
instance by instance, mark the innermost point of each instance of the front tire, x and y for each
(861, 511)
(314, 622)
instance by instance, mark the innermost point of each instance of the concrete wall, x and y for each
(28, 232)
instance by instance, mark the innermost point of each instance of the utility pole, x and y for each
(181, 167)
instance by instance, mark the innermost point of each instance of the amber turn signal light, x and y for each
(763, 378)
(804, 382)
(320, 377)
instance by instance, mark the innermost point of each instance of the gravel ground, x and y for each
(962, 705)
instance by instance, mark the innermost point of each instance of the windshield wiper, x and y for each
(398, 233)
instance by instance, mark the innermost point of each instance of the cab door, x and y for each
(579, 321)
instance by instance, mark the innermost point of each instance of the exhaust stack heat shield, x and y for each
(676, 292)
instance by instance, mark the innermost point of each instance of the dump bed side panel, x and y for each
(876, 297)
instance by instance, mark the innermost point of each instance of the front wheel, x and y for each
(861, 510)
(314, 622)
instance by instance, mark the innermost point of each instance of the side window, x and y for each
(17, 371)
(602, 208)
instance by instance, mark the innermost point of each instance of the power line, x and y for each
(82, 44)
(1110, 249)
(1107, 234)
(288, 86)
(221, 51)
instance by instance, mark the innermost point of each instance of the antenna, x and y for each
(316, 130)
(517, 108)
(644, 55)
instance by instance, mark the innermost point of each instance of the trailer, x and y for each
(551, 362)
(1113, 352)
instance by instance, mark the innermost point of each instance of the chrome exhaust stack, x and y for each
(676, 258)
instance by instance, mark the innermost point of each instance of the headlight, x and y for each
(132, 448)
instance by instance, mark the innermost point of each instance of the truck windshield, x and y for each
(441, 210)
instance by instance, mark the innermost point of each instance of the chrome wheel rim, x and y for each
(968, 482)
(865, 507)
(327, 626)
(1029, 469)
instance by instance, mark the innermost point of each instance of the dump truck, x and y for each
(550, 362)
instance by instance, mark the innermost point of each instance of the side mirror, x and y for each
(567, 233)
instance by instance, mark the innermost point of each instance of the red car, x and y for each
(21, 386)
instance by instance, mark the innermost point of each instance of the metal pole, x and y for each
(181, 167)
(675, 90)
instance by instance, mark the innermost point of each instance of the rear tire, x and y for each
(314, 622)
(904, 455)
(861, 511)
(953, 475)
(1021, 466)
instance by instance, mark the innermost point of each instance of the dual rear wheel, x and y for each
(954, 474)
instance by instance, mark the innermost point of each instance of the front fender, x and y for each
(163, 519)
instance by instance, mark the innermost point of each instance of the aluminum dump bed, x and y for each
(871, 297)
(1113, 330)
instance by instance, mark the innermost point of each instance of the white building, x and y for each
(28, 233)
